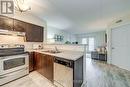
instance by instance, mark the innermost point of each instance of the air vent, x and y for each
(119, 21)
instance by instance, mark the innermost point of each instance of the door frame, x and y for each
(113, 25)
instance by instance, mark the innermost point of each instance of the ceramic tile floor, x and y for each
(34, 79)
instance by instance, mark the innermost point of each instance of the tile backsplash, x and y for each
(66, 47)
(30, 45)
(5, 39)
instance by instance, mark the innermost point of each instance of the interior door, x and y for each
(121, 46)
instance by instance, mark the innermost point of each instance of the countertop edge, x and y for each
(56, 55)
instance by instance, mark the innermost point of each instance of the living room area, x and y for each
(96, 45)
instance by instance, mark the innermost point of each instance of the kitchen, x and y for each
(18, 60)
(47, 43)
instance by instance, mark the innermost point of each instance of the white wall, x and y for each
(99, 37)
(51, 31)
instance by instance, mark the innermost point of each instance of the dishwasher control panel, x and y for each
(65, 62)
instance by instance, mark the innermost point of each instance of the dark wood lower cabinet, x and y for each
(44, 65)
(31, 61)
(50, 67)
(38, 62)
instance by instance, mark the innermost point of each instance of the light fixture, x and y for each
(22, 5)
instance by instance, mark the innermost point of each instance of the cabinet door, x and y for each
(6, 23)
(20, 26)
(31, 61)
(1, 23)
(43, 65)
(46, 66)
(37, 62)
(34, 33)
(40, 63)
(50, 65)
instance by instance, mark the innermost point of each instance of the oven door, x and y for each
(13, 63)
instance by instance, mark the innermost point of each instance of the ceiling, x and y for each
(80, 16)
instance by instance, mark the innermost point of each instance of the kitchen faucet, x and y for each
(56, 49)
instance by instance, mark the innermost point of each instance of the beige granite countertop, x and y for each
(66, 54)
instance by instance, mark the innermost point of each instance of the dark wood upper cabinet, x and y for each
(20, 26)
(34, 33)
(6, 23)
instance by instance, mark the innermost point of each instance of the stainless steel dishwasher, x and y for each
(63, 72)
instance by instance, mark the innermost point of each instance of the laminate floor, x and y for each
(101, 74)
